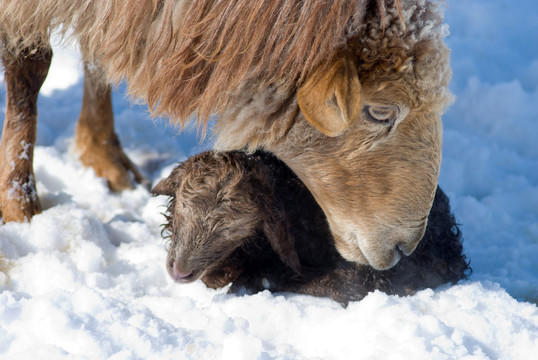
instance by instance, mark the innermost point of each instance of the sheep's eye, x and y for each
(382, 114)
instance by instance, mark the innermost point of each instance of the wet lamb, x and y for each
(247, 219)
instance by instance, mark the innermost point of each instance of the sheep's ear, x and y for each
(276, 229)
(330, 97)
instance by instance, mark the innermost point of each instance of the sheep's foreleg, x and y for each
(24, 74)
(96, 141)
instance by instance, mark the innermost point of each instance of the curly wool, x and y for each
(410, 45)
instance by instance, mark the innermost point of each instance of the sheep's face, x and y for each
(211, 213)
(376, 191)
(368, 147)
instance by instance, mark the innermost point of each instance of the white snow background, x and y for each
(86, 279)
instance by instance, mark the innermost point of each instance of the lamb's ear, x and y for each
(276, 229)
(330, 98)
(164, 187)
(169, 185)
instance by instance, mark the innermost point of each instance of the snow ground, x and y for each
(86, 279)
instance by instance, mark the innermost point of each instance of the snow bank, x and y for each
(87, 279)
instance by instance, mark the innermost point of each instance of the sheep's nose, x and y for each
(406, 249)
(180, 276)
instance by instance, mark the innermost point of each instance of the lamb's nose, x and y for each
(180, 276)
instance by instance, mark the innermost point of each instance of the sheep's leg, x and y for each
(24, 76)
(96, 141)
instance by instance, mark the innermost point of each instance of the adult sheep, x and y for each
(348, 93)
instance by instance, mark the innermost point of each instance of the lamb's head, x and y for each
(218, 202)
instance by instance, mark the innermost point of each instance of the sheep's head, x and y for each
(370, 148)
(219, 201)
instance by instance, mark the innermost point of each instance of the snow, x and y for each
(86, 279)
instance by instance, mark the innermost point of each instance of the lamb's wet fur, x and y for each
(283, 222)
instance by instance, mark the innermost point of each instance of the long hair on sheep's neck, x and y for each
(225, 45)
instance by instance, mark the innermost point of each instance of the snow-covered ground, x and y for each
(86, 279)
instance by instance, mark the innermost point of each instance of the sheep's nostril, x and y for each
(405, 249)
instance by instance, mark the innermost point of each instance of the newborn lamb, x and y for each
(248, 220)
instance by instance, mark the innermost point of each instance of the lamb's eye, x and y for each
(382, 114)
